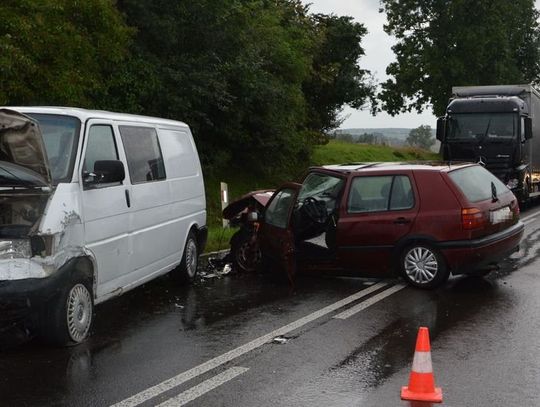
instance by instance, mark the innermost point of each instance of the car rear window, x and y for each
(476, 183)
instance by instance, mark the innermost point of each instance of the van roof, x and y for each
(86, 114)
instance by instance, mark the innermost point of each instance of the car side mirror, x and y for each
(105, 171)
(441, 124)
(528, 128)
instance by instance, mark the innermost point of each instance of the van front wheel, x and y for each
(69, 316)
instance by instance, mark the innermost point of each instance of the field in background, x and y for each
(335, 152)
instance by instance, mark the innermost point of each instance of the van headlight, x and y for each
(512, 183)
(15, 249)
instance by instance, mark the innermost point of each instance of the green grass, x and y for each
(335, 152)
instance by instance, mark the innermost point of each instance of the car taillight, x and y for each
(515, 208)
(472, 218)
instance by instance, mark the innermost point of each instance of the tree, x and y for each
(441, 44)
(421, 137)
(337, 78)
(233, 70)
(60, 51)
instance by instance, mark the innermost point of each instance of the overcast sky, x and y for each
(377, 56)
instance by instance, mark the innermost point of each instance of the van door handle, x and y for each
(128, 201)
(402, 221)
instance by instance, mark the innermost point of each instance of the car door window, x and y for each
(277, 213)
(100, 146)
(370, 194)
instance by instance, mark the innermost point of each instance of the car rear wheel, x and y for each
(423, 266)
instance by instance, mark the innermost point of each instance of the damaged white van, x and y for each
(92, 204)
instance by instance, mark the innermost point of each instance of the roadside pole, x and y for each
(224, 201)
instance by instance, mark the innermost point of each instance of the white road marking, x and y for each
(183, 377)
(527, 221)
(373, 300)
(203, 388)
(532, 215)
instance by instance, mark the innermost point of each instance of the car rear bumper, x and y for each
(464, 257)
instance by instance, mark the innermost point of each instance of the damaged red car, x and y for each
(421, 221)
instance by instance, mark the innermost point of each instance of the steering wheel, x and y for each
(314, 210)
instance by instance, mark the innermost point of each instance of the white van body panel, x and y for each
(131, 232)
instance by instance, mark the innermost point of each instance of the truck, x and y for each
(499, 127)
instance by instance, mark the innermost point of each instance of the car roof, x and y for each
(361, 167)
(86, 114)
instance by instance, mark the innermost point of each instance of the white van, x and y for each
(92, 204)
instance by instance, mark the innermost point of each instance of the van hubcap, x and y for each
(191, 258)
(421, 265)
(79, 312)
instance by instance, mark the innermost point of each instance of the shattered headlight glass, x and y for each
(15, 249)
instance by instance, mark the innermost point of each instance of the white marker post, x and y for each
(224, 201)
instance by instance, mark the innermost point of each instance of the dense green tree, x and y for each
(337, 78)
(60, 51)
(421, 137)
(232, 69)
(443, 43)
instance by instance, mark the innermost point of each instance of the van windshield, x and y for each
(61, 138)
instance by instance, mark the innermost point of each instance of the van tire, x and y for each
(68, 317)
(423, 266)
(187, 270)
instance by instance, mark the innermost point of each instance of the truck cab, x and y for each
(493, 125)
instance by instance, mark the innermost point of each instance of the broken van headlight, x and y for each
(15, 249)
(512, 183)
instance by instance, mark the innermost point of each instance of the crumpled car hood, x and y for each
(23, 158)
(238, 205)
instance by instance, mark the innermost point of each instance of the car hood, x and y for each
(237, 206)
(23, 159)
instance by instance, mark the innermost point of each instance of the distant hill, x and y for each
(390, 136)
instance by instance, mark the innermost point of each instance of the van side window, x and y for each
(100, 146)
(143, 152)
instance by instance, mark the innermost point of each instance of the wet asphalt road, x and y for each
(484, 337)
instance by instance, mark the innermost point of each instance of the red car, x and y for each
(422, 221)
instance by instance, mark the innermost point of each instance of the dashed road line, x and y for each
(192, 373)
(369, 302)
(203, 388)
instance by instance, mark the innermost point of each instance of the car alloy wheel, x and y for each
(423, 266)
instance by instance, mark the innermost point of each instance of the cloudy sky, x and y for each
(378, 55)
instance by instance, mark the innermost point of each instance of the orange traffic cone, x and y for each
(421, 382)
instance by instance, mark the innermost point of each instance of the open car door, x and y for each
(276, 237)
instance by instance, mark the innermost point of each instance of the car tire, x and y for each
(187, 269)
(241, 252)
(68, 317)
(423, 266)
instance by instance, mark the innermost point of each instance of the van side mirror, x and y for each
(105, 171)
(528, 128)
(441, 129)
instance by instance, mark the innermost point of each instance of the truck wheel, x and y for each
(422, 266)
(69, 315)
(187, 270)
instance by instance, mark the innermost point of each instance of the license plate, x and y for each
(500, 215)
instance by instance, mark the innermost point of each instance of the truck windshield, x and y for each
(482, 126)
(61, 138)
